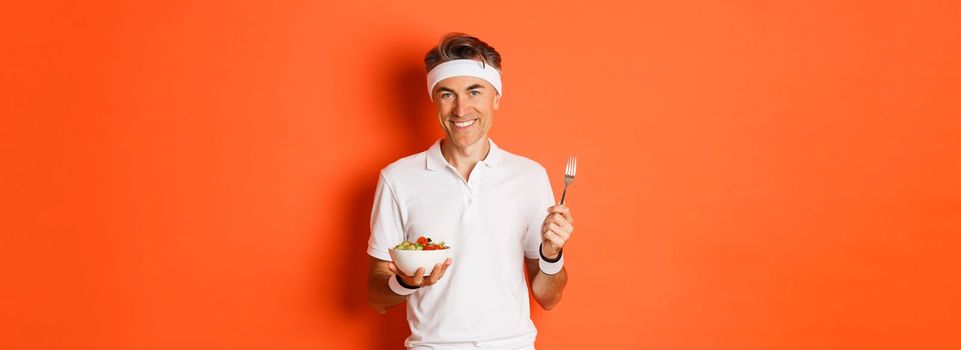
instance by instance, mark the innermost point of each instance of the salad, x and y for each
(422, 243)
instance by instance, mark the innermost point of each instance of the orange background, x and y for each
(753, 174)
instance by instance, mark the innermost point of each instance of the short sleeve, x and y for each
(385, 221)
(541, 198)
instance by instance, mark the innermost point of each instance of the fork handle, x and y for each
(564, 195)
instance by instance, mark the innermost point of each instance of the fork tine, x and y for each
(569, 169)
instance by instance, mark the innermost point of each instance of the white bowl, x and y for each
(408, 261)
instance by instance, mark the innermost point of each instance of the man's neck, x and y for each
(465, 158)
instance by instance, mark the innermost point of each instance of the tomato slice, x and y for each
(422, 240)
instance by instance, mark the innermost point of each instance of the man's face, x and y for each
(465, 108)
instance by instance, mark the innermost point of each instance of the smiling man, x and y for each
(493, 208)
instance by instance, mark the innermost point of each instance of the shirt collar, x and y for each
(435, 159)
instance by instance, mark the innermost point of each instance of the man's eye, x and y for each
(445, 94)
(474, 92)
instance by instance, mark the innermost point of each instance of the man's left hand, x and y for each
(557, 229)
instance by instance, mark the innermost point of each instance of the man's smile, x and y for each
(464, 124)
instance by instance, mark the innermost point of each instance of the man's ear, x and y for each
(497, 101)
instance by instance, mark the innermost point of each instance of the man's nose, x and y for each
(460, 107)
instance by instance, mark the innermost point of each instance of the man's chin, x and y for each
(463, 140)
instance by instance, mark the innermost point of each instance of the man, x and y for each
(493, 208)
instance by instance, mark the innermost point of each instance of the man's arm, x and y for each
(547, 289)
(379, 294)
(556, 230)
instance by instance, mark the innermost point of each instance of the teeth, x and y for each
(465, 124)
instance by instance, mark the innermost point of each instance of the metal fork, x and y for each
(569, 171)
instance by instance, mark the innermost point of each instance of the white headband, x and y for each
(463, 68)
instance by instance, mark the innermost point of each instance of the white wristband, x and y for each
(551, 268)
(397, 288)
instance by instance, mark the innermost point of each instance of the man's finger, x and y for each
(432, 278)
(560, 221)
(547, 227)
(548, 218)
(553, 226)
(435, 274)
(392, 267)
(554, 239)
(558, 218)
(439, 271)
(562, 210)
(419, 276)
(444, 265)
(559, 231)
(565, 212)
(564, 224)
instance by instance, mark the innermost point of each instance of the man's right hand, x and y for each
(418, 279)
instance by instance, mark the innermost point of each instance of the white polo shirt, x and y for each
(491, 221)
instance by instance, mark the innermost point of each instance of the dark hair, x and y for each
(457, 46)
